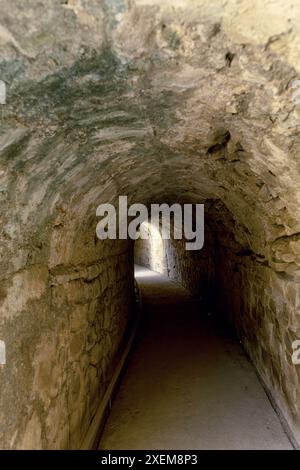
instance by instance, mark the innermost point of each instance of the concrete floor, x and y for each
(188, 384)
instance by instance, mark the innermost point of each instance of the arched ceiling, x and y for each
(187, 101)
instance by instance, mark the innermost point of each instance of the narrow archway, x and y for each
(189, 383)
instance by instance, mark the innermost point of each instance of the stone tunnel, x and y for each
(181, 101)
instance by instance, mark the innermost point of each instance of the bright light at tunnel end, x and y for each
(123, 222)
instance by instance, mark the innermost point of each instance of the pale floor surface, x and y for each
(188, 384)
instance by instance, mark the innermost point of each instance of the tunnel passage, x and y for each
(181, 102)
(188, 384)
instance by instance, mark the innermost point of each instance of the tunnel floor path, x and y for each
(188, 384)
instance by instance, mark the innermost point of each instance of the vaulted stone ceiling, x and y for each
(181, 100)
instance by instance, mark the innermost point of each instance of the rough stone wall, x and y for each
(63, 330)
(263, 306)
(192, 269)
